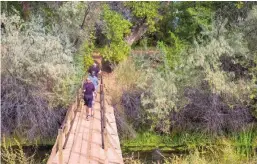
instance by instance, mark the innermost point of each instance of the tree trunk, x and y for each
(85, 16)
(139, 31)
(137, 34)
(141, 28)
(25, 9)
(83, 23)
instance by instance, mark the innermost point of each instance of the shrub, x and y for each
(87, 51)
(147, 98)
(207, 112)
(125, 97)
(12, 155)
(38, 75)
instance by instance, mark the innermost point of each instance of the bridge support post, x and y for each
(78, 101)
(60, 146)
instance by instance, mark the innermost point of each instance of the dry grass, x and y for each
(123, 79)
(132, 160)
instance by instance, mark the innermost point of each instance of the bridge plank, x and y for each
(77, 142)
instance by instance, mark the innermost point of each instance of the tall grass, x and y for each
(11, 155)
(237, 148)
(215, 154)
(192, 158)
(212, 154)
(132, 160)
(245, 142)
(127, 75)
(150, 140)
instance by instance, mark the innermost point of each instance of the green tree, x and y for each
(116, 29)
(148, 11)
(145, 15)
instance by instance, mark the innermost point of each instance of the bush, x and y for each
(208, 113)
(128, 109)
(38, 75)
(224, 152)
(12, 155)
(147, 95)
(87, 52)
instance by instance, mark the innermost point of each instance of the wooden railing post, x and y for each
(78, 101)
(102, 113)
(60, 146)
(106, 146)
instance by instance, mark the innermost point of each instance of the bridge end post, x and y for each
(60, 146)
(78, 100)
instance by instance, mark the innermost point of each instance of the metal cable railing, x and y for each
(106, 141)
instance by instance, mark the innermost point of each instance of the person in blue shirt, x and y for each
(94, 80)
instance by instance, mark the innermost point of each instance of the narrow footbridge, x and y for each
(94, 141)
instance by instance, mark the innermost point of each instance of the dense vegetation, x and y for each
(197, 91)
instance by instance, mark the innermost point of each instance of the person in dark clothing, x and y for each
(94, 69)
(88, 89)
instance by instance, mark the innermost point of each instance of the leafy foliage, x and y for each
(158, 95)
(87, 51)
(192, 19)
(70, 18)
(186, 20)
(147, 11)
(116, 28)
(116, 52)
(172, 53)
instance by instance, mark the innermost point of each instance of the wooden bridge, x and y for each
(95, 141)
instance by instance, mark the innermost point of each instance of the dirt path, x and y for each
(108, 78)
(109, 84)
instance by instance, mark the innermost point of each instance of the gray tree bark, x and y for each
(137, 34)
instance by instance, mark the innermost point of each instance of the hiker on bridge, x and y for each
(94, 80)
(88, 89)
(94, 69)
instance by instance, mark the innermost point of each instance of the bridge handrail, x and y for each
(102, 109)
(64, 130)
(106, 143)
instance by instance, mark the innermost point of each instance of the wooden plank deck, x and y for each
(84, 142)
